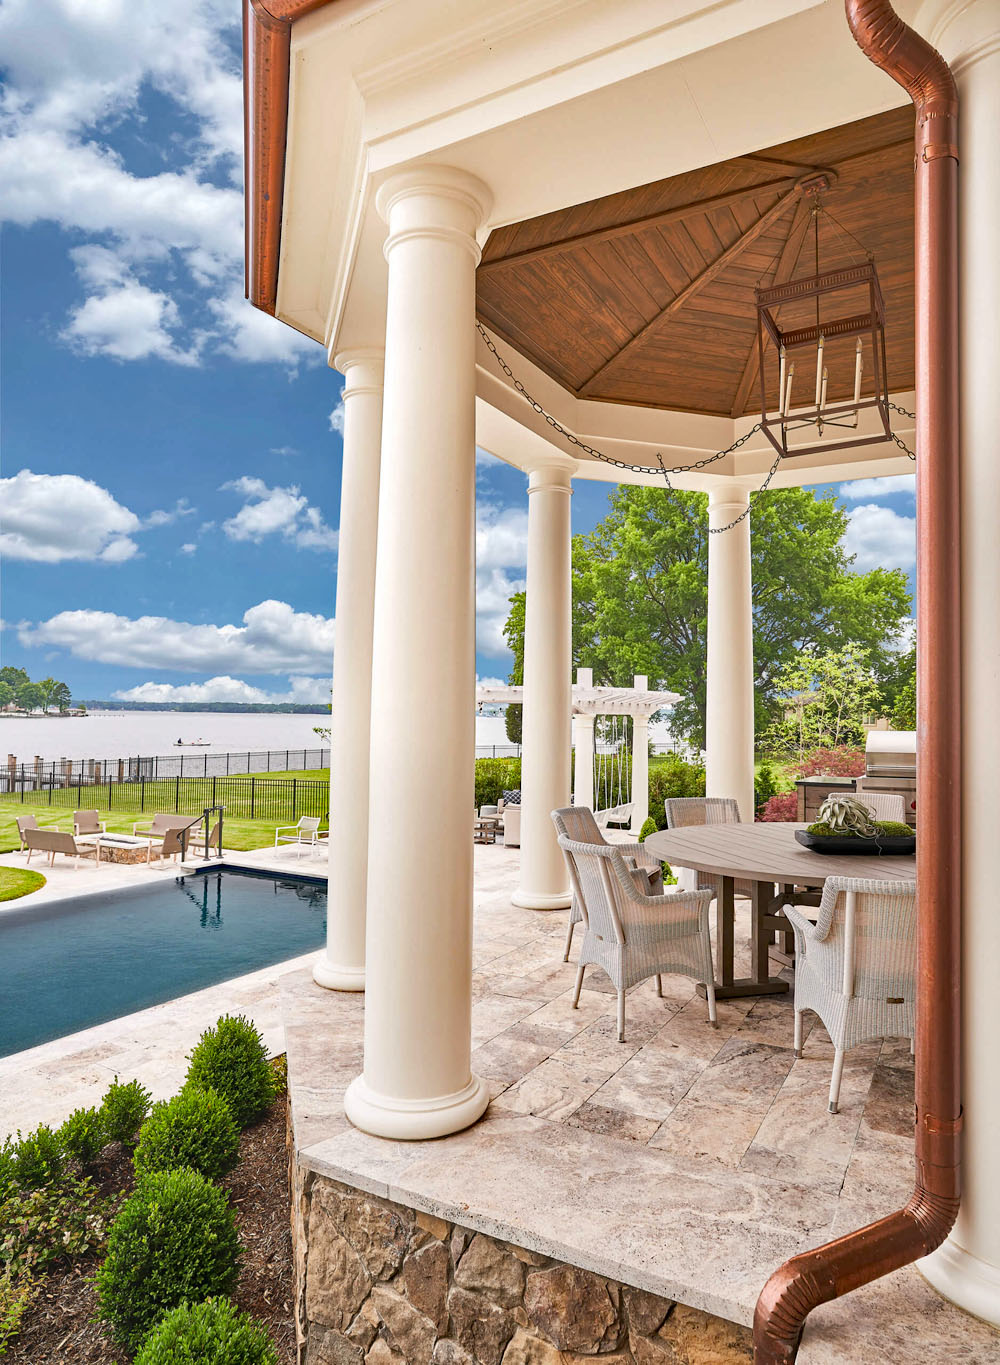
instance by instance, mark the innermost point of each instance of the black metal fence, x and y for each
(276, 800)
(73, 772)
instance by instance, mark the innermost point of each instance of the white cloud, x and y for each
(501, 537)
(49, 518)
(880, 538)
(337, 417)
(277, 511)
(123, 318)
(75, 74)
(855, 489)
(274, 638)
(283, 450)
(188, 549)
(304, 691)
(501, 545)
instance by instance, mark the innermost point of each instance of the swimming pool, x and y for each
(79, 962)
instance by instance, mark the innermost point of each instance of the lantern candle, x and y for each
(822, 392)
(819, 371)
(781, 381)
(857, 371)
(787, 402)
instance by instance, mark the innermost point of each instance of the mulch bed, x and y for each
(59, 1326)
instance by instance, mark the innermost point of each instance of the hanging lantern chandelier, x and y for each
(833, 332)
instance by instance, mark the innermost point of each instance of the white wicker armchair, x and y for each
(632, 936)
(580, 824)
(856, 966)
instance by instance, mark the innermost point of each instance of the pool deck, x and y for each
(687, 1160)
(46, 1083)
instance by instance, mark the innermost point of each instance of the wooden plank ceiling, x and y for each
(647, 297)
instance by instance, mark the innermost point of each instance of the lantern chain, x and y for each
(703, 463)
(898, 439)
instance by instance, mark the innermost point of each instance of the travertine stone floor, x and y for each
(687, 1161)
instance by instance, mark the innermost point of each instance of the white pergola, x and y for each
(413, 130)
(587, 703)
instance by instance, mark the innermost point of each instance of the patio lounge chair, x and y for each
(580, 824)
(173, 844)
(25, 822)
(304, 831)
(196, 843)
(856, 967)
(632, 936)
(53, 841)
(87, 822)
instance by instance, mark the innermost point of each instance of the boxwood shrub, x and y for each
(124, 1109)
(210, 1333)
(196, 1129)
(173, 1241)
(231, 1060)
(82, 1136)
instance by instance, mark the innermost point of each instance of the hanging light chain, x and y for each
(663, 469)
(898, 439)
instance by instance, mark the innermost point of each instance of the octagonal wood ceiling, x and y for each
(647, 297)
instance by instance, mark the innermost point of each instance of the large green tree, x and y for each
(640, 597)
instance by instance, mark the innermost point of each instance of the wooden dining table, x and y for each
(779, 869)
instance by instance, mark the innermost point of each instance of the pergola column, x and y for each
(545, 735)
(966, 1268)
(640, 763)
(583, 761)
(342, 966)
(729, 724)
(417, 1081)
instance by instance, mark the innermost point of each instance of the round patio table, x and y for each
(763, 854)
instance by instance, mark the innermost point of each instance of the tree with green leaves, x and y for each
(29, 696)
(826, 698)
(640, 595)
(6, 693)
(14, 677)
(59, 696)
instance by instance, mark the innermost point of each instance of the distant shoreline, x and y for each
(207, 708)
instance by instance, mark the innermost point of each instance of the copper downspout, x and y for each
(816, 1277)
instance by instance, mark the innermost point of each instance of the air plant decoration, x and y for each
(848, 815)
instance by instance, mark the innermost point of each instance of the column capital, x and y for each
(728, 494)
(439, 202)
(362, 368)
(554, 475)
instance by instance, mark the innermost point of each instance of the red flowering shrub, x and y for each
(840, 762)
(784, 806)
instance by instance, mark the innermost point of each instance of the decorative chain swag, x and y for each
(663, 469)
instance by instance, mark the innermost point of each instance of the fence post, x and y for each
(177, 792)
(205, 773)
(214, 802)
(286, 760)
(295, 783)
(227, 764)
(253, 797)
(79, 788)
(142, 791)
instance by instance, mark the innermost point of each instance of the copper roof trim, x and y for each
(267, 34)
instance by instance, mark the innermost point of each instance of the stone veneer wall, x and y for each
(378, 1283)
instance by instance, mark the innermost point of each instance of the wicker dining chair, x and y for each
(580, 824)
(632, 936)
(856, 966)
(884, 805)
(704, 810)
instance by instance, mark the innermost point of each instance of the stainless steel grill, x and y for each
(891, 766)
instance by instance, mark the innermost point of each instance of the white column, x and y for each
(342, 966)
(967, 1267)
(729, 737)
(640, 762)
(583, 761)
(417, 1081)
(545, 741)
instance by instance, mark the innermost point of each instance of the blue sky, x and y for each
(170, 457)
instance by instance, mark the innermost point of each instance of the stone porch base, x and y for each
(378, 1283)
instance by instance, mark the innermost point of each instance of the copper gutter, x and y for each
(267, 35)
(817, 1276)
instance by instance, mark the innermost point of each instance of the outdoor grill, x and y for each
(891, 766)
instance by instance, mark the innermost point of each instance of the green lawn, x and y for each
(236, 834)
(16, 882)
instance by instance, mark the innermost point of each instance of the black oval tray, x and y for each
(835, 843)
